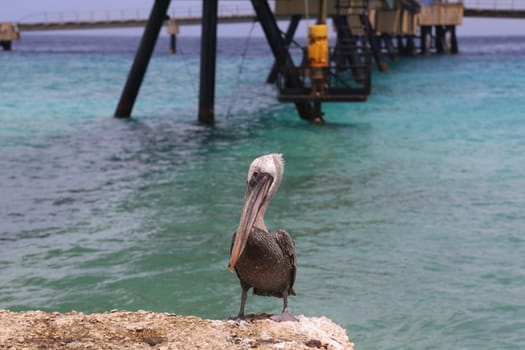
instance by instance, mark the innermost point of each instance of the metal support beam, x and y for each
(410, 46)
(347, 45)
(173, 44)
(6, 44)
(401, 48)
(439, 41)
(374, 43)
(288, 37)
(453, 39)
(282, 56)
(426, 39)
(208, 60)
(140, 64)
(392, 53)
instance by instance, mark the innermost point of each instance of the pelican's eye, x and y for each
(254, 179)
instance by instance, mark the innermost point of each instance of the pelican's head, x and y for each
(264, 176)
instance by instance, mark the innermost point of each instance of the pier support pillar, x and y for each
(426, 39)
(173, 44)
(288, 37)
(392, 52)
(440, 40)
(142, 58)
(453, 39)
(208, 61)
(173, 30)
(410, 47)
(6, 44)
(405, 45)
(401, 48)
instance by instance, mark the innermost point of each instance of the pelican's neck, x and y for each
(259, 221)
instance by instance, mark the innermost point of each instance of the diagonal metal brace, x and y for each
(282, 56)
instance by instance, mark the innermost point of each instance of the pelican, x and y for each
(262, 259)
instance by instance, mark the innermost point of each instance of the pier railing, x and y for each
(494, 8)
(495, 4)
(190, 12)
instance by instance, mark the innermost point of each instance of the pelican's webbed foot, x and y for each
(240, 317)
(236, 318)
(283, 317)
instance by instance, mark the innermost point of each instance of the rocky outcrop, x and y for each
(150, 330)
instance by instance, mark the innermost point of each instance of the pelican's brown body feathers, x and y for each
(268, 263)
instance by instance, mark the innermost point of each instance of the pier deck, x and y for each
(127, 18)
(243, 13)
(123, 23)
(494, 13)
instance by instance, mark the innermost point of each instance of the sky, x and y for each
(36, 10)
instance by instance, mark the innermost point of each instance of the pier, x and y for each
(337, 61)
(233, 12)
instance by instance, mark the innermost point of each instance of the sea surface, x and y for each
(408, 211)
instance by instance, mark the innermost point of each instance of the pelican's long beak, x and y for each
(256, 193)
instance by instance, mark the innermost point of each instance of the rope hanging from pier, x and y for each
(185, 57)
(240, 71)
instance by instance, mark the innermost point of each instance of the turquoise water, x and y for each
(408, 211)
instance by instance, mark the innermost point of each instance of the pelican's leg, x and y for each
(244, 296)
(285, 315)
(285, 302)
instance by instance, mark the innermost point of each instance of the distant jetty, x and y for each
(150, 330)
(328, 71)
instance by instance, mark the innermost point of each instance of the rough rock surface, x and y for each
(150, 330)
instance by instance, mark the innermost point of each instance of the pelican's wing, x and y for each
(287, 246)
(231, 247)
